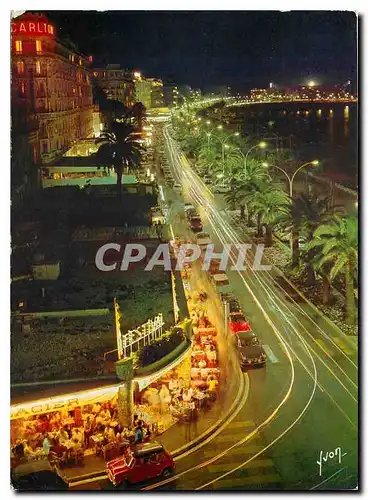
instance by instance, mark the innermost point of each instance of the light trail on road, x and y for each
(269, 419)
(194, 180)
(197, 190)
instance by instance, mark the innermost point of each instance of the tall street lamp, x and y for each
(261, 145)
(291, 179)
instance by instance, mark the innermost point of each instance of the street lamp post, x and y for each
(223, 144)
(261, 145)
(291, 181)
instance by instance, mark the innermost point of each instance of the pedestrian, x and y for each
(138, 438)
(46, 445)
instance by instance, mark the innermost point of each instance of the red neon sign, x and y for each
(32, 28)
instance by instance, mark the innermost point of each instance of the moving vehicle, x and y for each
(196, 224)
(238, 322)
(221, 188)
(250, 350)
(144, 461)
(203, 239)
(177, 188)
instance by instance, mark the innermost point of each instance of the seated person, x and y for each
(78, 434)
(59, 449)
(29, 452)
(63, 434)
(76, 445)
(109, 433)
(173, 385)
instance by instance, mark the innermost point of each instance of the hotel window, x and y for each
(22, 89)
(38, 67)
(18, 46)
(45, 146)
(20, 67)
(38, 46)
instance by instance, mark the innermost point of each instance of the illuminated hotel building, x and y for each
(148, 91)
(51, 92)
(117, 83)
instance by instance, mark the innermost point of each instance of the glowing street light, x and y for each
(208, 122)
(311, 83)
(291, 180)
(261, 145)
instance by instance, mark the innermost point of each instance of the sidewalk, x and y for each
(177, 439)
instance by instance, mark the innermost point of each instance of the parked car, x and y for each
(220, 188)
(41, 480)
(238, 322)
(188, 206)
(177, 188)
(145, 461)
(191, 212)
(221, 282)
(250, 350)
(196, 224)
(203, 239)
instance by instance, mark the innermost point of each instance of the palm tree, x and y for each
(307, 213)
(244, 187)
(337, 241)
(139, 115)
(269, 203)
(208, 157)
(118, 150)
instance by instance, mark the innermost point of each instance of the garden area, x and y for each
(73, 347)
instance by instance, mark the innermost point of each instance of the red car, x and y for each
(238, 323)
(196, 224)
(144, 461)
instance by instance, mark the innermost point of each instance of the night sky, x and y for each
(242, 49)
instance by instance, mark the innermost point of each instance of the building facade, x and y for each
(116, 82)
(157, 93)
(171, 95)
(51, 88)
(142, 89)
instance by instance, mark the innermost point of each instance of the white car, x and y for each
(221, 188)
(221, 282)
(188, 206)
(203, 239)
(177, 188)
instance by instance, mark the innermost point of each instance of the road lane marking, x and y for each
(247, 450)
(242, 425)
(260, 479)
(264, 463)
(270, 354)
(343, 346)
(323, 347)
